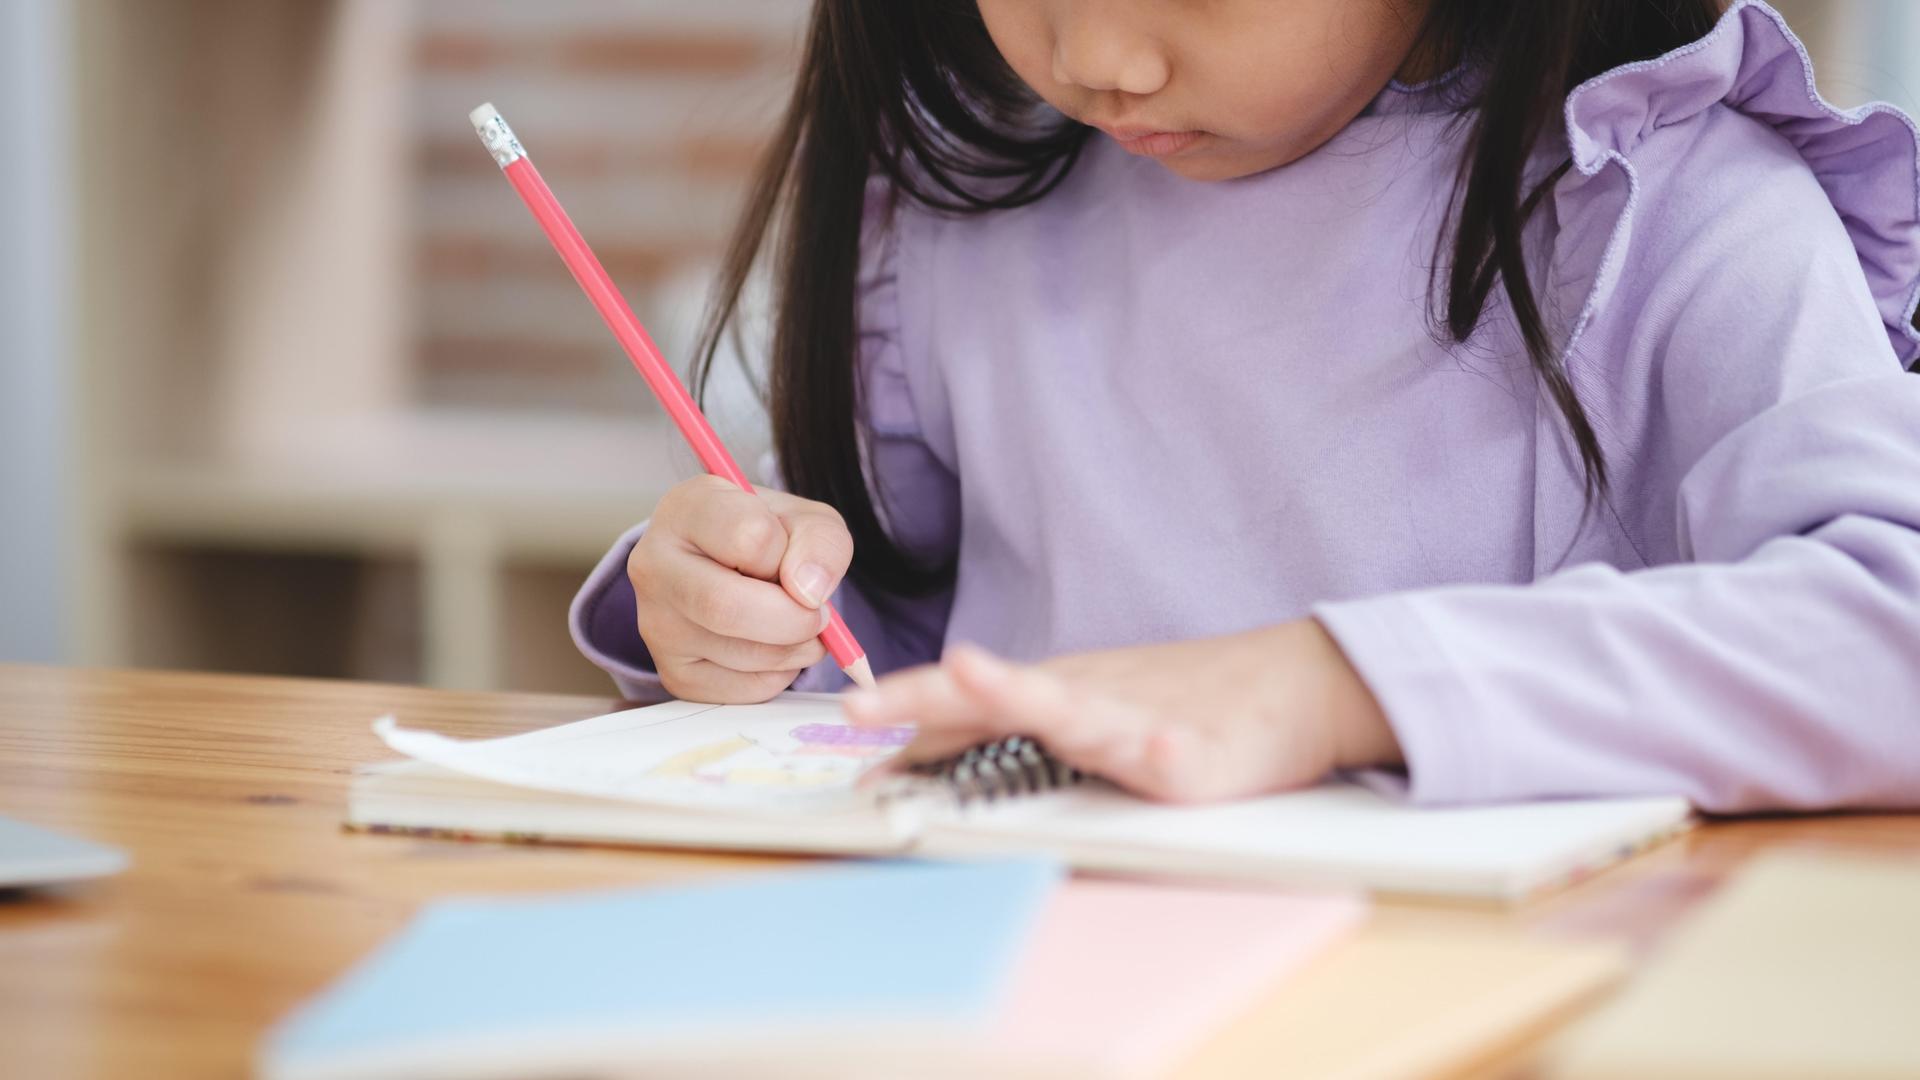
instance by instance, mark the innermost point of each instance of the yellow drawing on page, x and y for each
(806, 756)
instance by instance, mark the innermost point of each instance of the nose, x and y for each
(1097, 53)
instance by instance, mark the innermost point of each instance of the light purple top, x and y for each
(1149, 408)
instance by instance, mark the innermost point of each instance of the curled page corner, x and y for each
(786, 753)
(422, 745)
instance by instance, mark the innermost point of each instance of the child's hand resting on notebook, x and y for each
(728, 587)
(1192, 721)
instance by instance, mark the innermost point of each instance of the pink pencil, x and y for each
(633, 337)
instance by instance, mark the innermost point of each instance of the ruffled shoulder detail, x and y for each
(1866, 159)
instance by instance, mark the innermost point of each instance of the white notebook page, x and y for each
(794, 752)
(1337, 833)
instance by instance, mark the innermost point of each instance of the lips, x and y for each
(1151, 142)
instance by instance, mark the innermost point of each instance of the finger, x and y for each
(968, 698)
(741, 654)
(1083, 730)
(1020, 698)
(710, 683)
(733, 605)
(819, 547)
(926, 699)
(928, 747)
(1114, 740)
(734, 528)
(923, 696)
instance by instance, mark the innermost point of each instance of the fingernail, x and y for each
(813, 581)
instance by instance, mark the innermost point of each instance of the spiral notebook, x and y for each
(791, 775)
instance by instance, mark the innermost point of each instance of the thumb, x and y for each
(819, 548)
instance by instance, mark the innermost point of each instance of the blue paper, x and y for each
(925, 939)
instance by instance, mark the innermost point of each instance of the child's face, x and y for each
(1212, 89)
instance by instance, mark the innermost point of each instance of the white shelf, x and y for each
(554, 490)
(245, 190)
(464, 497)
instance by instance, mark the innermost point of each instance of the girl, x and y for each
(1509, 394)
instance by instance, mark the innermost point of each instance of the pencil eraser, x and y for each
(496, 135)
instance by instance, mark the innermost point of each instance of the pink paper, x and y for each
(1126, 978)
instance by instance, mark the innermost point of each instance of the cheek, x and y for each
(1022, 33)
(1303, 81)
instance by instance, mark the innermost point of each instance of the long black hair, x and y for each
(914, 93)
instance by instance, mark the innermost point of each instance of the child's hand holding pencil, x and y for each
(726, 608)
(731, 586)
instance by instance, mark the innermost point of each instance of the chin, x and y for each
(1220, 168)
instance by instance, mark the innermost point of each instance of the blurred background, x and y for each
(289, 381)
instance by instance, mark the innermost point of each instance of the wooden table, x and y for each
(245, 895)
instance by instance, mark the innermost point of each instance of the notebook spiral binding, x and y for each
(1005, 768)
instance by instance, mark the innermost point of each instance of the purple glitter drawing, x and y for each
(847, 735)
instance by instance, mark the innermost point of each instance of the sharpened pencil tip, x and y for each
(861, 673)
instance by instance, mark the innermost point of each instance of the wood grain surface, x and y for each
(246, 896)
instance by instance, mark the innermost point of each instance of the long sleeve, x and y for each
(1779, 671)
(1767, 445)
(916, 494)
